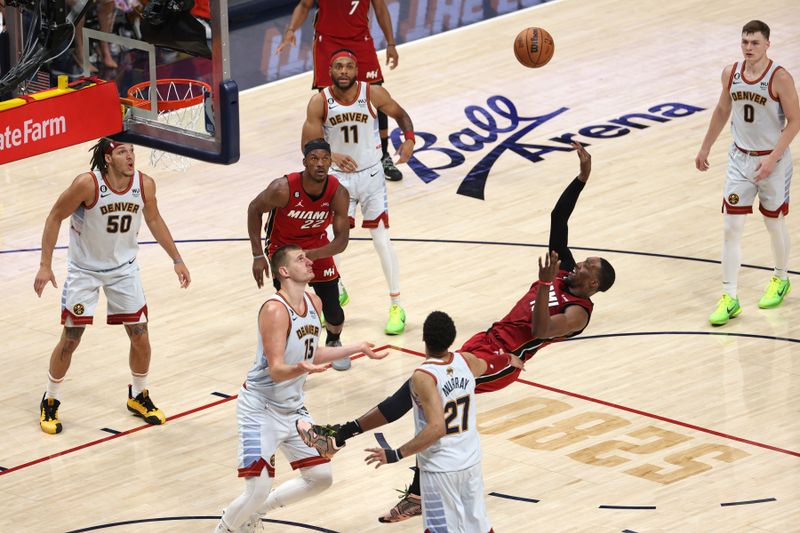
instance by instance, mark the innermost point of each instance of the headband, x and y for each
(343, 53)
(110, 147)
(316, 144)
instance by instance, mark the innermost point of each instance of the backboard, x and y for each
(133, 44)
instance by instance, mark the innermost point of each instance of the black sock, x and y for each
(414, 488)
(385, 146)
(346, 431)
(332, 337)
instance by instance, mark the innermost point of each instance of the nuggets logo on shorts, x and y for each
(78, 309)
(733, 199)
(272, 461)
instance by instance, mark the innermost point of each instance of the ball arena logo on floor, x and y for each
(502, 117)
(33, 131)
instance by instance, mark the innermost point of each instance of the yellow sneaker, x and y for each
(48, 419)
(774, 293)
(397, 320)
(143, 406)
(727, 308)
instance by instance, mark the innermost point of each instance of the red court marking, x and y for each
(144, 426)
(639, 412)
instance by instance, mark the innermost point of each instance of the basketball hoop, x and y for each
(180, 103)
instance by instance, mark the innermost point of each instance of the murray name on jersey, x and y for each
(454, 383)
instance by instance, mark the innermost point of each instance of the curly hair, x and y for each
(438, 332)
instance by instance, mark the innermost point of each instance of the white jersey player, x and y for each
(270, 405)
(345, 115)
(107, 207)
(762, 98)
(446, 442)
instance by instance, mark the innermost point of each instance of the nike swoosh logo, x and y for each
(782, 292)
(104, 195)
(731, 309)
(373, 174)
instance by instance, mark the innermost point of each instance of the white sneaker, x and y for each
(339, 364)
(252, 525)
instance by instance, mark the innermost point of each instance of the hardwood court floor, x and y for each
(651, 408)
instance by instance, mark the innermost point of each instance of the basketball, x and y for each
(534, 47)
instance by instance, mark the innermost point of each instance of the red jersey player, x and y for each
(301, 206)
(557, 306)
(344, 24)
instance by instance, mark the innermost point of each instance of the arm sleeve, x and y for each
(559, 218)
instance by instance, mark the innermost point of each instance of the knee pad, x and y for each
(398, 404)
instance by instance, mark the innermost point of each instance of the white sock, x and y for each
(731, 252)
(255, 492)
(312, 481)
(779, 238)
(53, 386)
(389, 263)
(138, 383)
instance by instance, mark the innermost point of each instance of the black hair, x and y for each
(316, 144)
(606, 276)
(98, 160)
(438, 332)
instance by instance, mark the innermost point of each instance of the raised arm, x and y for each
(385, 22)
(784, 89)
(559, 216)
(718, 120)
(383, 101)
(299, 16)
(81, 191)
(341, 227)
(275, 195)
(160, 231)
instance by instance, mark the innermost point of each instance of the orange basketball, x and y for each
(534, 47)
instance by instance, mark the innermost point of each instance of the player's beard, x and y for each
(350, 83)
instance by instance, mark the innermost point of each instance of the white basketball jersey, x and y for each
(301, 344)
(757, 118)
(103, 236)
(460, 447)
(352, 129)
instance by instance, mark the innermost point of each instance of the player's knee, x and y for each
(71, 338)
(398, 404)
(318, 477)
(334, 314)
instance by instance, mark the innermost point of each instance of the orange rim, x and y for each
(135, 91)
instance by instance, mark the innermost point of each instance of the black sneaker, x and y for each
(391, 172)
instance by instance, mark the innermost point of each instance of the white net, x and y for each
(181, 104)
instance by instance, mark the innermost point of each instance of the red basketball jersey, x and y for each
(514, 330)
(304, 219)
(345, 19)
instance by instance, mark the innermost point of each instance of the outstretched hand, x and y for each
(548, 271)
(377, 456)
(586, 161)
(366, 349)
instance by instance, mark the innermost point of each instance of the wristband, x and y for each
(392, 456)
(259, 256)
(546, 283)
(409, 135)
(177, 261)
